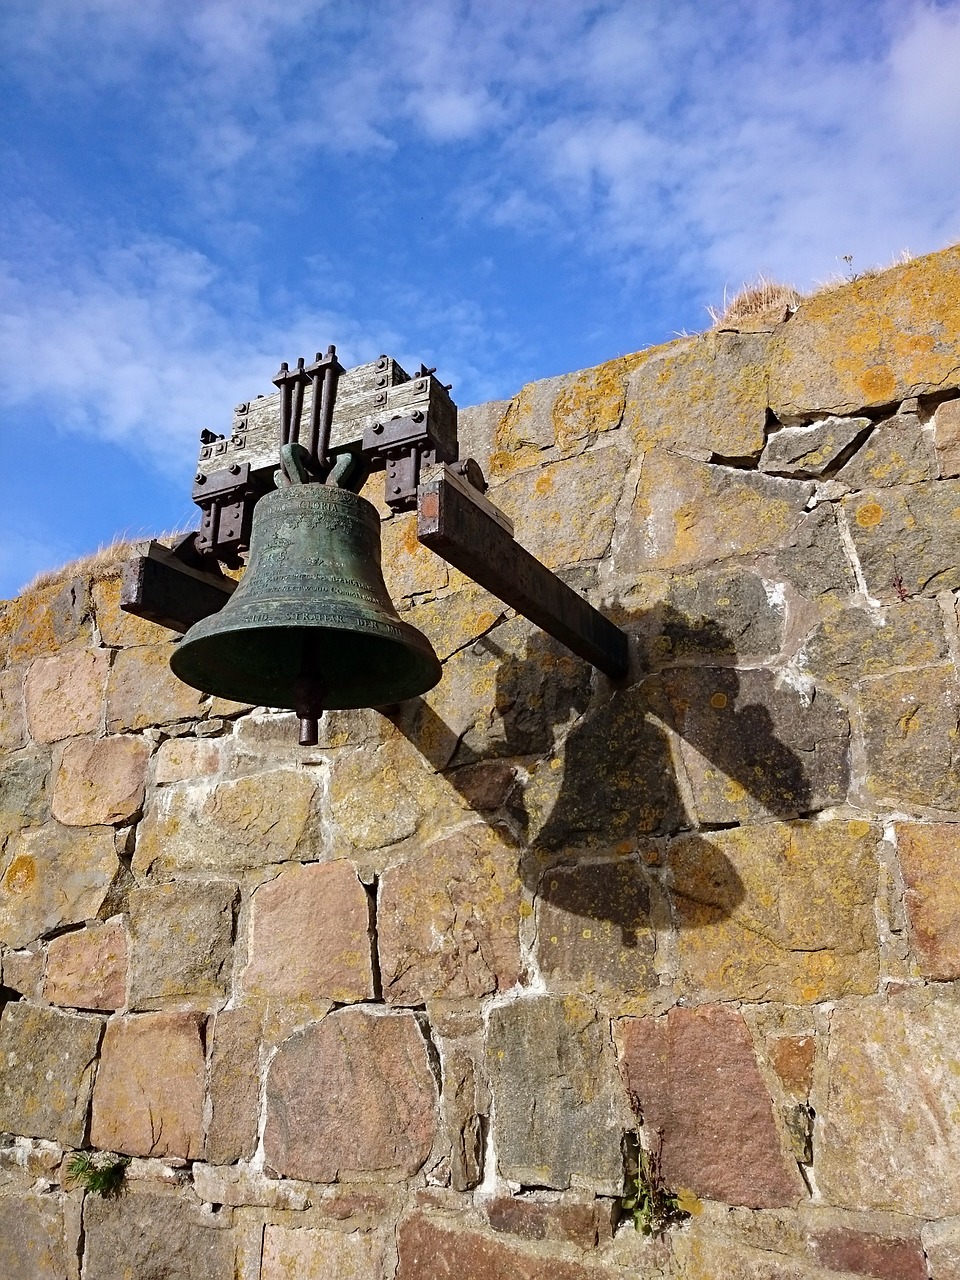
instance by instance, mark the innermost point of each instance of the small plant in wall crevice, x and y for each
(98, 1172)
(647, 1199)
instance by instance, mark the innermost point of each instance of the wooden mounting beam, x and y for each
(467, 531)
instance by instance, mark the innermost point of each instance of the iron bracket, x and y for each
(173, 587)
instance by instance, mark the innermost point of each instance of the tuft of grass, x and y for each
(756, 299)
(106, 562)
(100, 1173)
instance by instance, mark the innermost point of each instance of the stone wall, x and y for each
(388, 1007)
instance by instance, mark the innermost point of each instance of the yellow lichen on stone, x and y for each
(778, 911)
(875, 340)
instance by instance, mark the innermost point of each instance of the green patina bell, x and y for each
(311, 626)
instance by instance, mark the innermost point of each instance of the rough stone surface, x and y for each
(928, 860)
(448, 919)
(778, 911)
(409, 568)
(430, 1250)
(809, 451)
(47, 1062)
(291, 1253)
(54, 876)
(707, 614)
(708, 393)
(64, 694)
(564, 512)
(594, 932)
(140, 1236)
(858, 642)
(148, 1098)
(792, 1057)
(183, 759)
(753, 749)
(32, 1238)
(181, 942)
(559, 1107)
(100, 781)
(941, 1242)
(946, 437)
(352, 1096)
(147, 666)
(463, 1103)
(88, 968)
(708, 1255)
(869, 1255)
(614, 781)
(119, 629)
(250, 822)
(238, 1185)
(909, 725)
(13, 724)
(907, 538)
(23, 971)
(45, 620)
(23, 790)
(813, 558)
(888, 1136)
(697, 1080)
(583, 1224)
(871, 342)
(897, 453)
(234, 1086)
(688, 513)
(310, 937)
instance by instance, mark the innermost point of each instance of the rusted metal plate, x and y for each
(460, 530)
(159, 587)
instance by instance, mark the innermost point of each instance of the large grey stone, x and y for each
(181, 942)
(896, 453)
(560, 1110)
(47, 1060)
(595, 933)
(909, 724)
(753, 749)
(813, 558)
(707, 614)
(32, 1238)
(155, 1237)
(616, 780)
(809, 451)
(23, 790)
(907, 538)
(858, 642)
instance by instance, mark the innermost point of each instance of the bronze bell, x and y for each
(311, 626)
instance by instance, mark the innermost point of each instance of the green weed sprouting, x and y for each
(647, 1199)
(100, 1173)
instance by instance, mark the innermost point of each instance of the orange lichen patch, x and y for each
(792, 1059)
(719, 701)
(594, 401)
(876, 339)
(869, 515)
(20, 874)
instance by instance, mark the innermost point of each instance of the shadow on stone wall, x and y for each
(747, 750)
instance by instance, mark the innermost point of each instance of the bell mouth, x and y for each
(268, 665)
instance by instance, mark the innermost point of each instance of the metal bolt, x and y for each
(241, 408)
(378, 427)
(417, 415)
(200, 478)
(396, 488)
(235, 468)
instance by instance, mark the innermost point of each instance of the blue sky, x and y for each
(194, 190)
